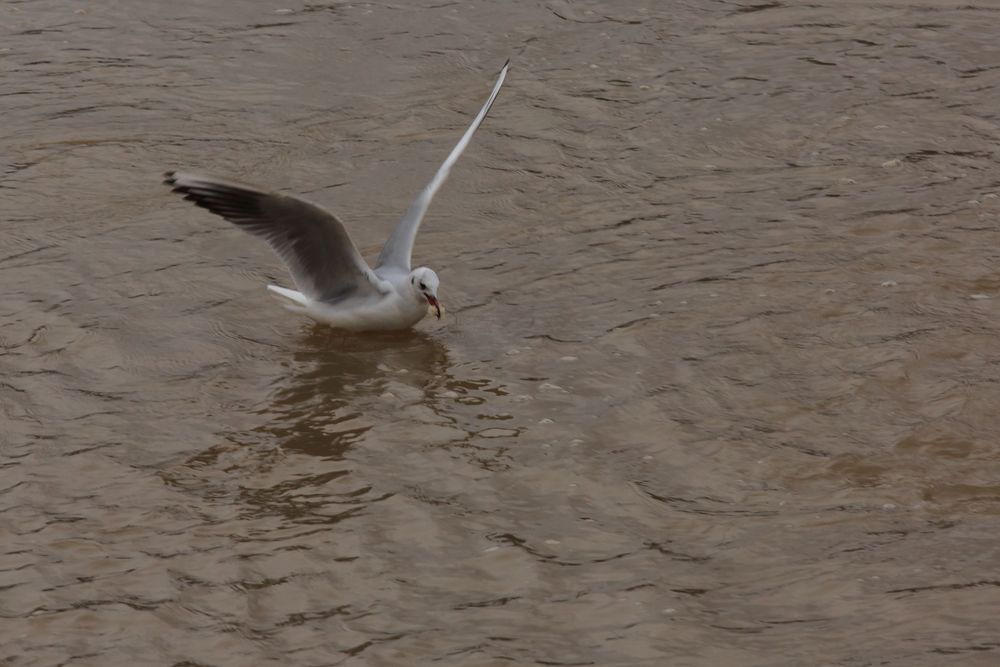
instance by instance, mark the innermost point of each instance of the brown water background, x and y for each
(719, 384)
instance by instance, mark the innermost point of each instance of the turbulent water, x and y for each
(718, 384)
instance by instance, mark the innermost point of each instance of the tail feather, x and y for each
(289, 298)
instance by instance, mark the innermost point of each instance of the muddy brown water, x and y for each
(719, 383)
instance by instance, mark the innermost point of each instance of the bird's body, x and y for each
(335, 284)
(399, 308)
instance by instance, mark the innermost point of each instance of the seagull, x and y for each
(335, 284)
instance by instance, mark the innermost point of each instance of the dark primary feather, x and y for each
(318, 252)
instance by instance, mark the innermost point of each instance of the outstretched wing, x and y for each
(320, 256)
(397, 250)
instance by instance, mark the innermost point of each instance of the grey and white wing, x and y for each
(398, 249)
(320, 256)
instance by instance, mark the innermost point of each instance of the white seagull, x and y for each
(335, 285)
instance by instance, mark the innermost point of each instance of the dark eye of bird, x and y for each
(423, 286)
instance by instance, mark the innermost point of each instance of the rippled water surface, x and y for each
(719, 383)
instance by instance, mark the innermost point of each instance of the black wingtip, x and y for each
(505, 64)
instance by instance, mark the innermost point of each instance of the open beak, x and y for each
(435, 304)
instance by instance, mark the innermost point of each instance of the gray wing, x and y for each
(320, 256)
(397, 250)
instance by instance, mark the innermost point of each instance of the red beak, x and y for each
(434, 302)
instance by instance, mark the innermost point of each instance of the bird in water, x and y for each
(335, 284)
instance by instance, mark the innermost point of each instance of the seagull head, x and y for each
(425, 284)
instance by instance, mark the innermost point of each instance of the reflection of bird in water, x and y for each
(337, 389)
(295, 465)
(335, 284)
(319, 408)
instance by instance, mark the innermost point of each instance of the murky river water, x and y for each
(719, 384)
